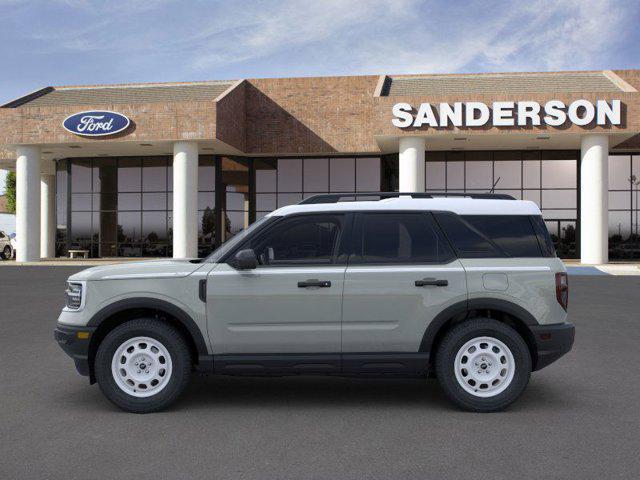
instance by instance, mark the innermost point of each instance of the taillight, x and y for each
(562, 289)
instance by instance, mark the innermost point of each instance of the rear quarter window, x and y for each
(491, 236)
(514, 234)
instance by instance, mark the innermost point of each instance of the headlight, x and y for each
(74, 295)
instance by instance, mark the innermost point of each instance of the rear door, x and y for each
(401, 274)
(291, 303)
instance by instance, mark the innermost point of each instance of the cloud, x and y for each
(79, 41)
(291, 24)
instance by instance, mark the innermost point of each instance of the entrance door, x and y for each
(291, 303)
(401, 275)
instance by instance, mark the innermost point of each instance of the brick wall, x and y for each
(319, 115)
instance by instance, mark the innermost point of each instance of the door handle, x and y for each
(314, 283)
(431, 281)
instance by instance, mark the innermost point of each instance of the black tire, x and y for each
(6, 253)
(456, 338)
(177, 348)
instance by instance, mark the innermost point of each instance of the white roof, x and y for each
(461, 206)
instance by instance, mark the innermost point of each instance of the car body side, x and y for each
(517, 290)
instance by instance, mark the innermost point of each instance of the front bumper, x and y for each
(75, 343)
(552, 342)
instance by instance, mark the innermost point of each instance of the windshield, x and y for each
(223, 249)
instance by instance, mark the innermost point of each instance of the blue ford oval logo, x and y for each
(96, 123)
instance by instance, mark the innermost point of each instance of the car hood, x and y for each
(145, 269)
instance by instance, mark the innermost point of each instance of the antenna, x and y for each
(494, 185)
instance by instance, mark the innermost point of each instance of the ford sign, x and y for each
(96, 124)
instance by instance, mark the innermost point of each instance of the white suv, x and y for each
(467, 289)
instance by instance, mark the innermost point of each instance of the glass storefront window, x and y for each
(479, 175)
(435, 176)
(559, 173)
(531, 174)
(81, 175)
(624, 201)
(316, 175)
(342, 174)
(129, 174)
(455, 175)
(508, 174)
(548, 178)
(367, 174)
(154, 174)
(285, 181)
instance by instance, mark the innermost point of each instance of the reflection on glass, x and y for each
(206, 199)
(81, 175)
(81, 202)
(367, 174)
(266, 175)
(154, 227)
(61, 192)
(342, 174)
(129, 201)
(435, 176)
(509, 174)
(289, 175)
(479, 175)
(316, 175)
(559, 199)
(619, 172)
(559, 174)
(129, 174)
(455, 175)
(154, 201)
(129, 227)
(154, 174)
(531, 174)
(206, 173)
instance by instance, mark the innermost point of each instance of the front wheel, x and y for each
(483, 365)
(6, 253)
(143, 365)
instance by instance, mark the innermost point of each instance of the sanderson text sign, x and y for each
(96, 123)
(507, 114)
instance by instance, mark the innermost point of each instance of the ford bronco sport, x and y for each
(465, 288)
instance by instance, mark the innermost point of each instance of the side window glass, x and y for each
(512, 233)
(401, 238)
(543, 236)
(304, 240)
(467, 240)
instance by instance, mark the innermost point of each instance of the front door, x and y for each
(401, 274)
(291, 303)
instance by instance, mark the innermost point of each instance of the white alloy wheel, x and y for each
(141, 367)
(484, 367)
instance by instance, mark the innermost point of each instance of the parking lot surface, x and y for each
(579, 418)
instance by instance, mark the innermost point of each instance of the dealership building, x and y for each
(175, 169)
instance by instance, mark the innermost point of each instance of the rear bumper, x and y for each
(74, 345)
(552, 342)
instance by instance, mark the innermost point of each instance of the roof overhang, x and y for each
(507, 140)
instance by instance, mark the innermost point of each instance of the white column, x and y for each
(47, 215)
(28, 203)
(185, 200)
(594, 200)
(411, 164)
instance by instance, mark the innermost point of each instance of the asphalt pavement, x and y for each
(578, 419)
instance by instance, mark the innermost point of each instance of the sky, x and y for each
(76, 42)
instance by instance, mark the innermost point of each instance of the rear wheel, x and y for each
(6, 253)
(483, 365)
(143, 365)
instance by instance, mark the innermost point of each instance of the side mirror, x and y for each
(245, 260)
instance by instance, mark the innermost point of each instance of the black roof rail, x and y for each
(337, 197)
